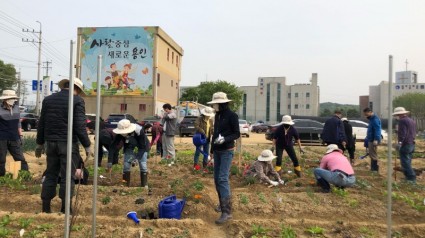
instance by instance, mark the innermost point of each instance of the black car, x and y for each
(260, 127)
(308, 130)
(29, 121)
(187, 126)
(113, 119)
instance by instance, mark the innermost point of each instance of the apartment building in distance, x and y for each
(272, 97)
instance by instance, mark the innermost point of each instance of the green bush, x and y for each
(29, 143)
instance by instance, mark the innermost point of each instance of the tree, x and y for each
(203, 93)
(353, 113)
(415, 103)
(326, 113)
(7, 76)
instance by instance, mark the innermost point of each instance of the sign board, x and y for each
(127, 59)
(34, 85)
(45, 89)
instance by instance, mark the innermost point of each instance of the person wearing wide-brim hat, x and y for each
(334, 169)
(406, 134)
(10, 130)
(204, 125)
(52, 137)
(262, 169)
(351, 139)
(132, 136)
(283, 140)
(226, 131)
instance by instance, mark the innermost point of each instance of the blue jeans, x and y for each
(336, 178)
(129, 157)
(222, 163)
(406, 152)
(205, 149)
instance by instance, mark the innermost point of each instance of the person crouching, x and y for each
(262, 169)
(334, 169)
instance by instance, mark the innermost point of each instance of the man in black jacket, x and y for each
(226, 131)
(53, 131)
(333, 131)
(351, 140)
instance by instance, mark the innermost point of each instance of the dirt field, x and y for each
(295, 208)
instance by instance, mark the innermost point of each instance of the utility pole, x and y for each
(37, 103)
(19, 85)
(407, 62)
(47, 67)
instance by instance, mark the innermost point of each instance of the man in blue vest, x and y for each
(373, 137)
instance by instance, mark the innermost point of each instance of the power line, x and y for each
(16, 58)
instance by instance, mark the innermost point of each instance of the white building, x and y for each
(272, 98)
(406, 82)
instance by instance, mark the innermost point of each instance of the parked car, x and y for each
(260, 127)
(360, 130)
(187, 126)
(29, 121)
(92, 118)
(308, 130)
(244, 128)
(113, 119)
(150, 120)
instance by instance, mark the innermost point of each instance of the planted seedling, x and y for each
(5, 221)
(106, 200)
(353, 203)
(262, 197)
(149, 230)
(364, 230)
(4, 232)
(339, 192)
(244, 199)
(234, 170)
(198, 185)
(45, 227)
(33, 233)
(287, 232)
(259, 231)
(24, 223)
(315, 230)
(249, 180)
(78, 227)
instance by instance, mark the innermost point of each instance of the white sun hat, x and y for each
(8, 94)
(266, 155)
(287, 120)
(207, 111)
(344, 119)
(124, 127)
(400, 111)
(219, 97)
(77, 82)
(332, 148)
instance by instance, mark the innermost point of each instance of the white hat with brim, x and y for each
(331, 148)
(8, 94)
(124, 127)
(266, 155)
(287, 120)
(400, 111)
(219, 97)
(207, 111)
(344, 119)
(77, 82)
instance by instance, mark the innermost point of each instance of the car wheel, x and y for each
(247, 135)
(181, 135)
(28, 127)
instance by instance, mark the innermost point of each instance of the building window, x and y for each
(422, 86)
(278, 102)
(123, 107)
(268, 103)
(168, 54)
(289, 106)
(142, 107)
(289, 95)
(296, 106)
(177, 61)
(172, 83)
(244, 106)
(172, 57)
(307, 106)
(158, 79)
(307, 95)
(371, 105)
(296, 95)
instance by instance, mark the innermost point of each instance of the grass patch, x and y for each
(29, 143)
(259, 231)
(24, 223)
(315, 230)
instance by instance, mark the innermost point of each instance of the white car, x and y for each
(244, 127)
(360, 130)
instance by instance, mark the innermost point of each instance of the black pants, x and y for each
(159, 148)
(56, 166)
(351, 151)
(291, 153)
(14, 148)
(105, 140)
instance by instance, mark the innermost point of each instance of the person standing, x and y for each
(10, 131)
(334, 169)
(333, 131)
(226, 131)
(373, 137)
(351, 140)
(52, 132)
(169, 121)
(283, 140)
(204, 125)
(157, 132)
(406, 142)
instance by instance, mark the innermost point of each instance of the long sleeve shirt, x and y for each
(406, 131)
(336, 161)
(262, 171)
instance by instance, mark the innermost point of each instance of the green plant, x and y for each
(339, 192)
(24, 223)
(198, 185)
(32, 233)
(315, 230)
(259, 231)
(78, 227)
(24, 176)
(29, 144)
(4, 232)
(35, 189)
(353, 203)
(5, 221)
(287, 232)
(248, 180)
(262, 197)
(234, 170)
(106, 200)
(175, 184)
(366, 231)
(117, 168)
(244, 199)
(149, 230)
(45, 227)
(363, 184)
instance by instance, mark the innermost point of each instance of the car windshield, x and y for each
(242, 122)
(115, 117)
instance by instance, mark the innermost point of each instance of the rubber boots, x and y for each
(278, 168)
(374, 165)
(126, 178)
(143, 179)
(326, 187)
(46, 206)
(218, 207)
(63, 207)
(226, 211)
(297, 171)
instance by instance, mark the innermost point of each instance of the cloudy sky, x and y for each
(346, 42)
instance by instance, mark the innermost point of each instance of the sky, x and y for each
(346, 42)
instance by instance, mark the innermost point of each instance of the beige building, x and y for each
(272, 98)
(163, 70)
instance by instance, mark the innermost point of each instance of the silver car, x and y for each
(244, 128)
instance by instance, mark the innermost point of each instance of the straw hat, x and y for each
(344, 119)
(287, 120)
(77, 82)
(207, 111)
(400, 111)
(266, 155)
(219, 97)
(332, 148)
(124, 127)
(8, 94)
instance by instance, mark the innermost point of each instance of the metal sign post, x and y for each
(390, 153)
(96, 143)
(69, 143)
